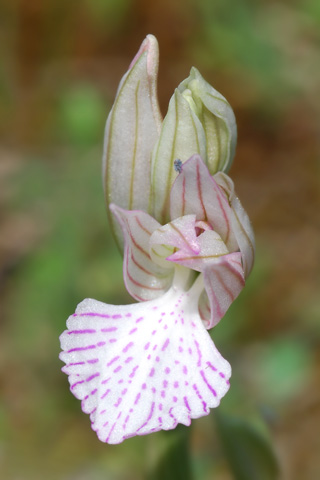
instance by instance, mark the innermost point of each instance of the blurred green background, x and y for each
(61, 62)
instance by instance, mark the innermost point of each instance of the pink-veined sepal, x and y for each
(223, 281)
(144, 279)
(195, 191)
(240, 222)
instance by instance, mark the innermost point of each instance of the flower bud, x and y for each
(132, 129)
(217, 119)
(199, 120)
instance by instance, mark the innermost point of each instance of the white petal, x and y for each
(210, 249)
(180, 233)
(144, 367)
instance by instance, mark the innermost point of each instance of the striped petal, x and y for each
(240, 222)
(223, 281)
(141, 368)
(144, 279)
(217, 119)
(195, 191)
(181, 136)
(132, 129)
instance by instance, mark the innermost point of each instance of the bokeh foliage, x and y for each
(61, 63)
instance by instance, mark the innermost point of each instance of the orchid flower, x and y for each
(188, 248)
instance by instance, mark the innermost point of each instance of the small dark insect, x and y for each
(177, 165)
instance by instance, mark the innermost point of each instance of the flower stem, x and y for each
(197, 287)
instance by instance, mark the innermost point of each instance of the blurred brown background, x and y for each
(61, 62)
